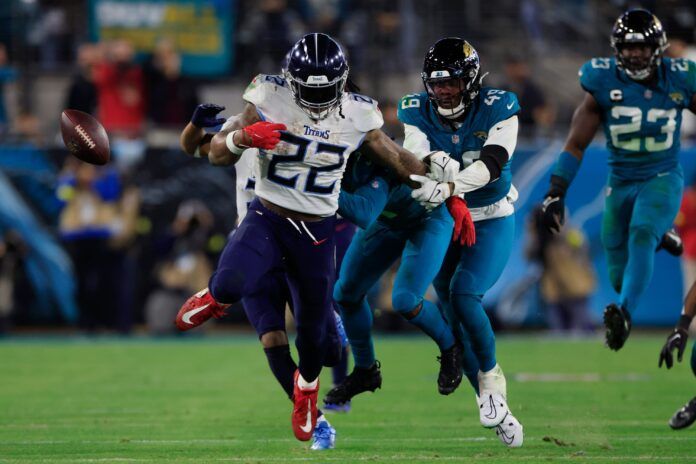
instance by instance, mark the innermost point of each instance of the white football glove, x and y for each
(442, 167)
(431, 193)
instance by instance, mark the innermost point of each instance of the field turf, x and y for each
(214, 400)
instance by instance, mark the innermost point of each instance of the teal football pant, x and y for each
(369, 255)
(636, 215)
(466, 275)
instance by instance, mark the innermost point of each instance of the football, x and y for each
(84, 137)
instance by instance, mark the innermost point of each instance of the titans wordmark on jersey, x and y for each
(641, 121)
(303, 172)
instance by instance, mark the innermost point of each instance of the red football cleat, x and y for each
(198, 309)
(304, 413)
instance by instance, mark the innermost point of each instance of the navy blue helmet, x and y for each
(642, 28)
(452, 59)
(316, 70)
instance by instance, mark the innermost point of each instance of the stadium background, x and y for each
(214, 48)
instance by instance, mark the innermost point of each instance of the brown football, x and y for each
(84, 137)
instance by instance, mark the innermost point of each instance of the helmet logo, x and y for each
(467, 49)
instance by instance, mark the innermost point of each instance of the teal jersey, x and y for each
(464, 143)
(641, 121)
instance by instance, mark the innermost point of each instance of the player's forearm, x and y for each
(191, 138)
(385, 152)
(220, 152)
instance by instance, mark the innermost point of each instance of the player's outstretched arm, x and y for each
(194, 140)
(385, 152)
(680, 334)
(586, 120)
(227, 146)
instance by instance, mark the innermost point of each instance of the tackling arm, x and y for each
(194, 141)
(220, 153)
(385, 152)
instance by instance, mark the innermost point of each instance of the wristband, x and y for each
(197, 153)
(684, 322)
(566, 167)
(229, 141)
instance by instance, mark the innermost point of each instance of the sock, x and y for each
(340, 371)
(283, 366)
(357, 320)
(471, 314)
(430, 320)
(304, 385)
(639, 268)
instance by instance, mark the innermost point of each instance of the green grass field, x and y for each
(214, 400)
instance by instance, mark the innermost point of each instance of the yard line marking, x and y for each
(580, 377)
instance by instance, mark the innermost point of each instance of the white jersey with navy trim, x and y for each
(245, 176)
(303, 172)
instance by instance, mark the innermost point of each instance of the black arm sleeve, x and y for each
(494, 157)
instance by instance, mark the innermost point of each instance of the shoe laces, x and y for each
(322, 431)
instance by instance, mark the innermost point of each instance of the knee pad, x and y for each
(644, 235)
(405, 302)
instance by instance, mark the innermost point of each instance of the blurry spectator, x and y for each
(171, 97)
(26, 128)
(120, 90)
(82, 94)
(7, 74)
(536, 113)
(325, 15)
(52, 35)
(185, 270)
(686, 225)
(267, 32)
(567, 278)
(97, 224)
(12, 248)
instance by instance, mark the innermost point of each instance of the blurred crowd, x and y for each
(130, 267)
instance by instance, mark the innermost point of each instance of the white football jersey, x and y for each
(303, 172)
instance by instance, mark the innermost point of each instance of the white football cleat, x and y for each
(510, 432)
(491, 402)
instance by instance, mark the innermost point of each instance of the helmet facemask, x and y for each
(637, 67)
(642, 32)
(317, 97)
(469, 87)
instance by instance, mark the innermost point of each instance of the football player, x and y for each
(305, 127)
(405, 230)
(268, 303)
(477, 126)
(638, 97)
(686, 415)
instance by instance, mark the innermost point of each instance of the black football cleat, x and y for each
(451, 369)
(618, 323)
(672, 243)
(360, 380)
(685, 416)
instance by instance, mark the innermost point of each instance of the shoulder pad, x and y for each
(364, 112)
(410, 108)
(261, 86)
(593, 72)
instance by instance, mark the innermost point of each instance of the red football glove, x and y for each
(263, 134)
(464, 229)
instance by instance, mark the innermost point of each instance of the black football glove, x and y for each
(677, 339)
(205, 115)
(553, 207)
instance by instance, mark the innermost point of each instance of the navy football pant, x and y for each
(265, 242)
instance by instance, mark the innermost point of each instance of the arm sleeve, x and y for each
(366, 203)
(504, 134)
(416, 141)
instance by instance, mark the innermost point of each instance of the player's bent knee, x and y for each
(274, 338)
(227, 286)
(644, 235)
(407, 304)
(345, 300)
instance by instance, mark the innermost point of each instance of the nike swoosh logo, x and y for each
(319, 242)
(506, 438)
(493, 412)
(308, 424)
(510, 105)
(189, 314)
